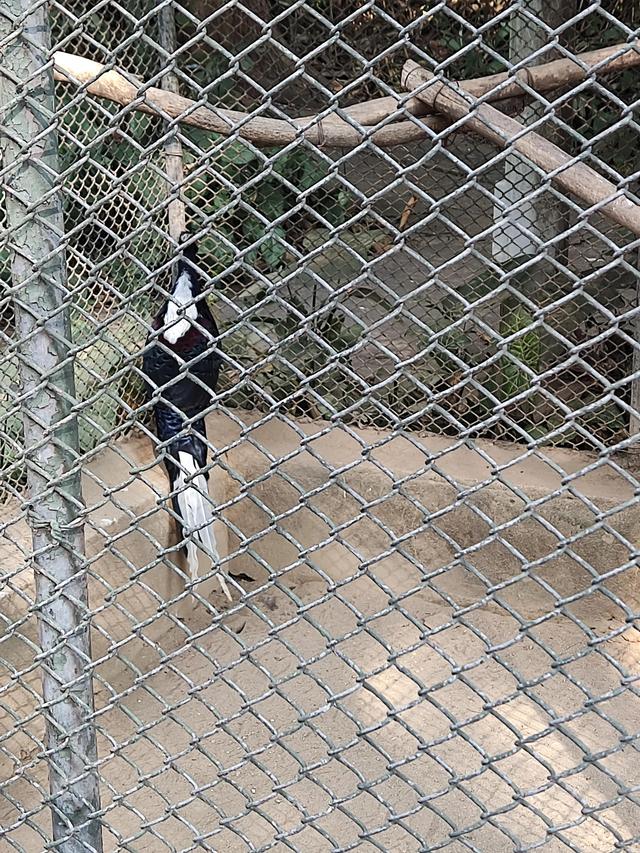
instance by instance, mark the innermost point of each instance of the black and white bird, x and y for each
(181, 364)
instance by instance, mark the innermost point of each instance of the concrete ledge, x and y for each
(418, 512)
(425, 512)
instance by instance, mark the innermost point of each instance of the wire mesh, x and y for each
(422, 450)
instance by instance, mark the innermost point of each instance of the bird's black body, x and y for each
(182, 372)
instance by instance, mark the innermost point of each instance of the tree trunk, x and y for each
(528, 226)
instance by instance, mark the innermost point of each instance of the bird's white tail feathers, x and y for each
(197, 519)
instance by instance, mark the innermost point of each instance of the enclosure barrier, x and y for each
(47, 392)
(418, 232)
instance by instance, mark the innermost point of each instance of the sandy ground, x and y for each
(343, 723)
(340, 708)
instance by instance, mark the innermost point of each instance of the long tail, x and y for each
(197, 518)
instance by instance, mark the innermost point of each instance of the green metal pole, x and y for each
(35, 230)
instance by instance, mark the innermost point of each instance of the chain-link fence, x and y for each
(417, 229)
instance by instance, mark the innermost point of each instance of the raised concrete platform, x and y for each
(464, 521)
(308, 500)
(394, 625)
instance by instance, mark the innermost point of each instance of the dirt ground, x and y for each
(342, 709)
(308, 732)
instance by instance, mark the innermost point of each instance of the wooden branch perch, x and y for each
(262, 131)
(575, 178)
(541, 78)
(334, 131)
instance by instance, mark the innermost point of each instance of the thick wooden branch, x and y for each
(575, 178)
(335, 131)
(499, 87)
(129, 91)
(550, 76)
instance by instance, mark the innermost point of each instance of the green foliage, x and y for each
(256, 211)
(598, 118)
(102, 380)
(5, 267)
(12, 472)
(523, 350)
(473, 62)
(266, 207)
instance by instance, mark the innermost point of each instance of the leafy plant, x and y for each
(267, 206)
(256, 209)
(524, 349)
(475, 61)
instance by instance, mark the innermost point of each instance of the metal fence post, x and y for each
(634, 420)
(35, 229)
(536, 219)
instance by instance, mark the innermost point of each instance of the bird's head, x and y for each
(188, 266)
(188, 247)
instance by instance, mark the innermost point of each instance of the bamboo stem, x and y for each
(173, 147)
(35, 229)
